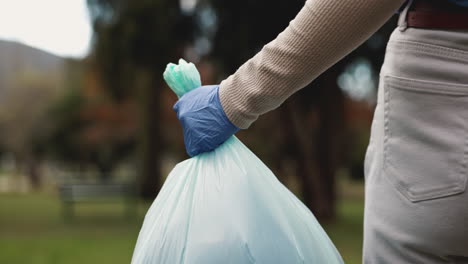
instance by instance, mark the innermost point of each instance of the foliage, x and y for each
(244, 26)
(136, 34)
(23, 117)
(84, 133)
(24, 122)
(64, 140)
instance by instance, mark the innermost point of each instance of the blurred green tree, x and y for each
(24, 120)
(86, 133)
(134, 40)
(64, 143)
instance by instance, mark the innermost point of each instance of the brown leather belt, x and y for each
(437, 15)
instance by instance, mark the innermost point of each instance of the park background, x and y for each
(102, 122)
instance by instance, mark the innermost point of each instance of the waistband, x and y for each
(450, 38)
(434, 15)
(437, 6)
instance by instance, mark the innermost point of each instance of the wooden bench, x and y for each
(71, 194)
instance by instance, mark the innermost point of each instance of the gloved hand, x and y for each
(203, 120)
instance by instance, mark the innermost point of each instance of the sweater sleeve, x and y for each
(322, 33)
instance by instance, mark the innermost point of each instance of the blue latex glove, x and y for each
(203, 120)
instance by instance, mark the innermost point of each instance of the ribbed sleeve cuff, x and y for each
(230, 101)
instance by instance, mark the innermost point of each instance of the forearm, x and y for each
(322, 33)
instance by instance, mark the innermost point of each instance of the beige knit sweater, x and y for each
(323, 32)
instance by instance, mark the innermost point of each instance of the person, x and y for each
(416, 208)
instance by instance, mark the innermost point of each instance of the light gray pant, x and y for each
(416, 208)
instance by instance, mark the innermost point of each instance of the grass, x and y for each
(346, 232)
(33, 231)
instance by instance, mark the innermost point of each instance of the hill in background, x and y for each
(17, 59)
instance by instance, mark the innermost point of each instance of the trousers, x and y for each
(416, 166)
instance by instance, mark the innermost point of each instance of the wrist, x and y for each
(232, 105)
(229, 124)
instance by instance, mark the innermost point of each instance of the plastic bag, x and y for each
(226, 206)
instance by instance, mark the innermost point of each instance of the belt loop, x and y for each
(402, 20)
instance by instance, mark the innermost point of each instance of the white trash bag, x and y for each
(227, 207)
